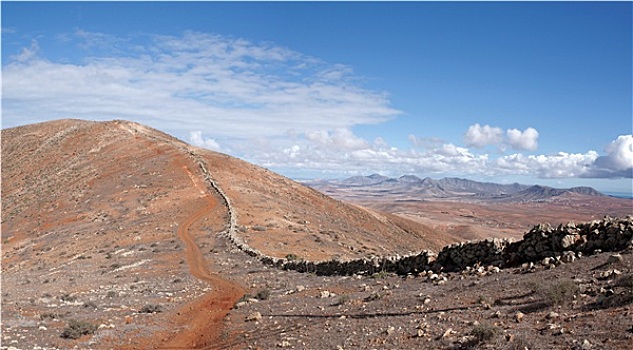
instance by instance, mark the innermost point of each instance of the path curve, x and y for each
(206, 314)
(204, 317)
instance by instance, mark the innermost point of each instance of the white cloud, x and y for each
(425, 142)
(560, 165)
(480, 136)
(196, 139)
(267, 104)
(618, 162)
(526, 140)
(226, 87)
(340, 139)
(27, 53)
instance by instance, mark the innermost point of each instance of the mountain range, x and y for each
(412, 187)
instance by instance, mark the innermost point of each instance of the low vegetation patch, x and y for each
(76, 329)
(484, 332)
(151, 308)
(555, 293)
(263, 294)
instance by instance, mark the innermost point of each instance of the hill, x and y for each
(116, 210)
(117, 236)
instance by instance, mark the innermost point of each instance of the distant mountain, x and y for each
(364, 180)
(543, 192)
(475, 187)
(413, 187)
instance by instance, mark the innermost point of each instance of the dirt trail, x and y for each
(203, 318)
(205, 315)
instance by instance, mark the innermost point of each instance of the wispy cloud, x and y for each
(265, 103)
(27, 53)
(233, 87)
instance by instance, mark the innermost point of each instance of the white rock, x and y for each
(325, 294)
(519, 317)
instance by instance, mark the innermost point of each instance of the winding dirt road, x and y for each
(207, 313)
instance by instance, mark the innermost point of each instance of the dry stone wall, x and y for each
(542, 241)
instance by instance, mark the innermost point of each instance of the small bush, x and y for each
(90, 304)
(151, 308)
(559, 293)
(373, 296)
(380, 275)
(292, 257)
(68, 298)
(484, 332)
(76, 329)
(50, 315)
(263, 294)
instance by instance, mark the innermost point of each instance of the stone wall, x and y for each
(458, 256)
(542, 241)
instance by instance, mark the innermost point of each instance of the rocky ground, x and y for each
(105, 246)
(587, 304)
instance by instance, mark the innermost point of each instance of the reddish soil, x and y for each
(101, 221)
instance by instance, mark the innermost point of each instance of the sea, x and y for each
(626, 195)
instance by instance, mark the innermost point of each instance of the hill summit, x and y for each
(80, 175)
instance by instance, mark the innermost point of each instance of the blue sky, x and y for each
(534, 92)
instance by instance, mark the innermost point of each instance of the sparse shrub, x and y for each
(68, 298)
(381, 274)
(50, 316)
(520, 342)
(559, 293)
(111, 294)
(90, 304)
(292, 257)
(484, 332)
(176, 280)
(263, 294)
(373, 296)
(151, 308)
(115, 266)
(76, 329)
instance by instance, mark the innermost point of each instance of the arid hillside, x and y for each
(119, 215)
(114, 236)
(83, 173)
